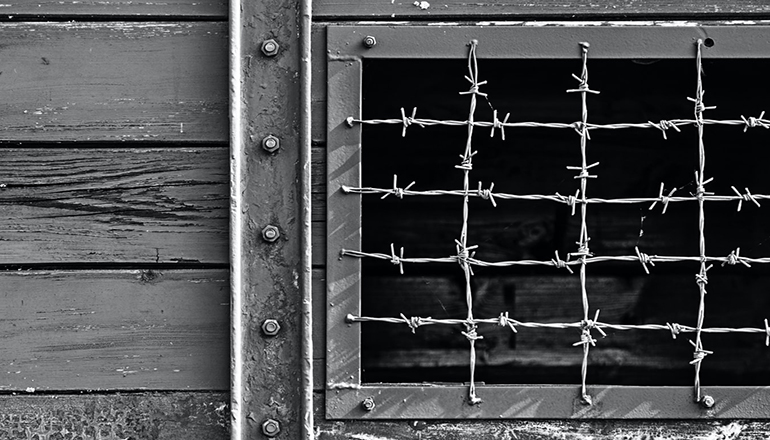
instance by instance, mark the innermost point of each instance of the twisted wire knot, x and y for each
(583, 250)
(748, 197)
(474, 88)
(396, 259)
(644, 259)
(700, 107)
(408, 120)
(396, 191)
(504, 321)
(735, 257)
(471, 334)
(467, 161)
(663, 199)
(561, 264)
(752, 122)
(664, 125)
(586, 325)
(701, 279)
(497, 124)
(581, 129)
(582, 85)
(569, 200)
(487, 194)
(584, 174)
(674, 328)
(414, 322)
(701, 189)
(464, 254)
(699, 354)
(349, 121)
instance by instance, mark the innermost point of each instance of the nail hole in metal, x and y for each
(708, 42)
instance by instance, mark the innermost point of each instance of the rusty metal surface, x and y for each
(344, 390)
(545, 402)
(547, 42)
(343, 224)
(265, 192)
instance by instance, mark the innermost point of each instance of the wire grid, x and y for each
(582, 257)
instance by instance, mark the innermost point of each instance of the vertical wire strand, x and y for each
(701, 278)
(583, 248)
(462, 245)
(307, 431)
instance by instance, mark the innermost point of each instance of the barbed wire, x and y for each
(465, 253)
(415, 322)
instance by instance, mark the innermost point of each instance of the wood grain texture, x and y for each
(112, 330)
(52, 9)
(336, 9)
(114, 81)
(139, 205)
(150, 416)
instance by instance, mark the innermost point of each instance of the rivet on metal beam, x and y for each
(369, 41)
(270, 327)
(368, 404)
(270, 233)
(271, 427)
(270, 48)
(271, 144)
(707, 402)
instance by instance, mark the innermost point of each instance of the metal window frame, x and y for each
(345, 391)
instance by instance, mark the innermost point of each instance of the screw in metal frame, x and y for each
(368, 404)
(271, 427)
(271, 327)
(270, 233)
(369, 41)
(270, 48)
(271, 144)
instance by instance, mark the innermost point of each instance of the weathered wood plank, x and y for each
(171, 416)
(145, 205)
(210, 9)
(463, 9)
(113, 330)
(114, 81)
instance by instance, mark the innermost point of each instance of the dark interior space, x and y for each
(633, 162)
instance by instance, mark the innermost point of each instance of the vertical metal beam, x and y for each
(269, 272)
(305, 67)
(236, 220)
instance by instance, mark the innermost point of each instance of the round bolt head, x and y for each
(270, 327)
(271, 143)
(707, 402)
(368, 404)
(369, 41)
(270, 48)
(271, 427)
(270, 233)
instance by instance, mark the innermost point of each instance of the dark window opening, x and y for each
(633, 163)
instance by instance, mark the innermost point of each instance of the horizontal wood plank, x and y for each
(113, 330)
(463, 9)
(172, 416)
(210, 9)
(148, 205)
(114, 81)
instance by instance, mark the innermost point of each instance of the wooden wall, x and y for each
(114, 200)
